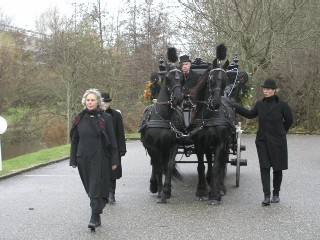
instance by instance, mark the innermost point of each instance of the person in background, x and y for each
(155, 88)
(94, 151)
(121, 143)
(190, 77)
(189, 80)
(275, 119)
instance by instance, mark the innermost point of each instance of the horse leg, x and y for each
(166, 191)
(209, 171)
(153, 181)
(160, 187)
(215, 185)
(223, 188)
(157, 172)
(202, 193)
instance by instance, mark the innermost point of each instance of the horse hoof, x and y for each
(214, 202)
(222, 193)
(166, 195)
(161, 200)
(202, 198)
(153, 187)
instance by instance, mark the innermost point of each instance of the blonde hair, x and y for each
(92, 91)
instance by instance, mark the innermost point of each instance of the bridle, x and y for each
(172, 89)
(211, 91)
(177, 84)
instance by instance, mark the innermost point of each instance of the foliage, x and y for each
(277, 39)
(44, 76)
(16, 114)
(147, 94)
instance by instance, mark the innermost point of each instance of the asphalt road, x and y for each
(50, 202)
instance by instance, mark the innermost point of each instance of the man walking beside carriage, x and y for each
(275, 119)
(121, 143)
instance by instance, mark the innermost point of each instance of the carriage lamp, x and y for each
(162, 67)
(236, 60)
(3, 128)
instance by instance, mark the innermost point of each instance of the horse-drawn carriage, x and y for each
(214, 129)
(234, 89)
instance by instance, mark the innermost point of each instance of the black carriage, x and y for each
(235, 88)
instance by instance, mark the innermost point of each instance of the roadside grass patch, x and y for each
(33, 159)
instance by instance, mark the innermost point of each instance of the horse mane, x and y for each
(201, 83)
(172, 54)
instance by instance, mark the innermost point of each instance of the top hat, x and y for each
(154, 77)
(106, 97)
(270, 83)
(185, 58)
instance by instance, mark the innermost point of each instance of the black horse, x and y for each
(158, 128)
(214, 119)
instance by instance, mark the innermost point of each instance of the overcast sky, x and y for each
(25, 12)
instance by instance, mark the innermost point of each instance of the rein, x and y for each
(235, 81)
(208, 102)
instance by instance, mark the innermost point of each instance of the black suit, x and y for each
(120, 138)
(189, 80)
(275, 119)
(121, 143)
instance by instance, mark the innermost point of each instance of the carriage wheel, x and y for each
(239, 131)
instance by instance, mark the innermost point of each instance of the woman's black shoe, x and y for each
(112, 198)
(266, 201)
(95, 221)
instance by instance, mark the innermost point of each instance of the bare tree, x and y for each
(70, 60)
(270, 37)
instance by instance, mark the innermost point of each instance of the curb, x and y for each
(32, 168)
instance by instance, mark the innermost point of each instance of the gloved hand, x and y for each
(122, 154)
(232, 103)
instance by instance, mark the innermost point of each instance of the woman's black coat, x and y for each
(275, 119)
(120, 138)
(94, 151)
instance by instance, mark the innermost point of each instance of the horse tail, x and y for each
(176, 175)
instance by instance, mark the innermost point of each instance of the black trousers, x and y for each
(97, 205)
(265, 179)
(113, 185)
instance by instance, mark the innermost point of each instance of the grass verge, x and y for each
(43, 156)
(33, 159)
(133, 136)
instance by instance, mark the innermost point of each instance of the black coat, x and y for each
(94, 151)
(189, 80)
(120, 138)
(275, 119)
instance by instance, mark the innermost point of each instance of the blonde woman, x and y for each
(94, 152)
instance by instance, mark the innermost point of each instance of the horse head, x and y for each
(173, 77)
(218, 78)
(173, 81)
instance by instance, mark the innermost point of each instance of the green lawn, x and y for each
(43, 156)
(33, 159)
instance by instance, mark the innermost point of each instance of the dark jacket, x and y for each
(94, 151)
(120, 138)
(189, 80)
(275, 119)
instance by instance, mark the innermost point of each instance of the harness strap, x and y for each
(158, 124)
(163, 103)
